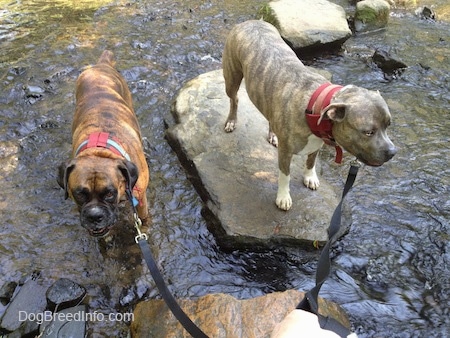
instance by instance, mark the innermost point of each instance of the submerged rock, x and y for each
(221, 315)
(236, 173)
(387, 62)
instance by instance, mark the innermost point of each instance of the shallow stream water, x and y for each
(391, 271)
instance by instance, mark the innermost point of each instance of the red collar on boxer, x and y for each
(103, 140)
(322, 128)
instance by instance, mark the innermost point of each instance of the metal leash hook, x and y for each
(137, 221)
(355, 163)
(137, 225)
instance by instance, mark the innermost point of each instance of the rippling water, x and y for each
(391, 270)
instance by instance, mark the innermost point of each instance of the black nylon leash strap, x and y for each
(171, 302)
(310, 302)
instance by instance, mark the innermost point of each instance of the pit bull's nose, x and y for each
(390, 153)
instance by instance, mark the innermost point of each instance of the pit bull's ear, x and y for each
(64, 171)
(334, 112)
(130, 171)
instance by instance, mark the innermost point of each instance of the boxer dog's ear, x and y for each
(64, 171)
(131, 173)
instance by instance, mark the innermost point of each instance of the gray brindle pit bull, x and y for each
(280, 86)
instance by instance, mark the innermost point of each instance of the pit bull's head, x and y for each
(360, 118)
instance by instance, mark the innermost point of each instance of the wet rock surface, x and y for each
(61, 327)
(6, 292)
(236, 173)
(388, 63)
(30, 299)
(308, 24)
(34, 307)
(65, 293)
(221, 315)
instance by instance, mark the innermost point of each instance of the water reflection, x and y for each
(24, 25)
(392, 267)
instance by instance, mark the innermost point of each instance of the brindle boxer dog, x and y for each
(107, 151)
(280, 86)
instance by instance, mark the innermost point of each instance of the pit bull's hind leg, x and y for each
(232, 82)
(272, 138)
(233, 75)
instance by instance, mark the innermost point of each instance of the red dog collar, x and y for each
(323, 128)
(102, 140)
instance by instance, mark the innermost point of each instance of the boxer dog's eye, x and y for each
(81, 195)
(109, 196)
(369, 132)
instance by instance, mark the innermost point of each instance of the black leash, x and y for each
(310, 302)
(180, 315)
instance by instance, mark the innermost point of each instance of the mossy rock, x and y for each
(371, 14)
(267, 14)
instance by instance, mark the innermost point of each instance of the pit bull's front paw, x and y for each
(230, 126)
(310, 179)
(284, 202)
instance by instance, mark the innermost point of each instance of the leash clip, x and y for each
(355, 163)
(137, 225)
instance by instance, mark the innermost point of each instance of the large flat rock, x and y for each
(309, 24)
(236, 173)
(221, 315)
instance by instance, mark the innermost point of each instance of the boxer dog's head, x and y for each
(97, 185)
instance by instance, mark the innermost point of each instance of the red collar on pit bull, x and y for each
(103, 140)
(322, 128)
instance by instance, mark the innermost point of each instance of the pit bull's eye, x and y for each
(369, 132)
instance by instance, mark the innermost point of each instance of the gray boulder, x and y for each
(308, 24)
(236, 173)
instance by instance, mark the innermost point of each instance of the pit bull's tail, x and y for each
(107, 57)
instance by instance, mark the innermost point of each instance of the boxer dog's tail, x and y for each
(107, 57)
